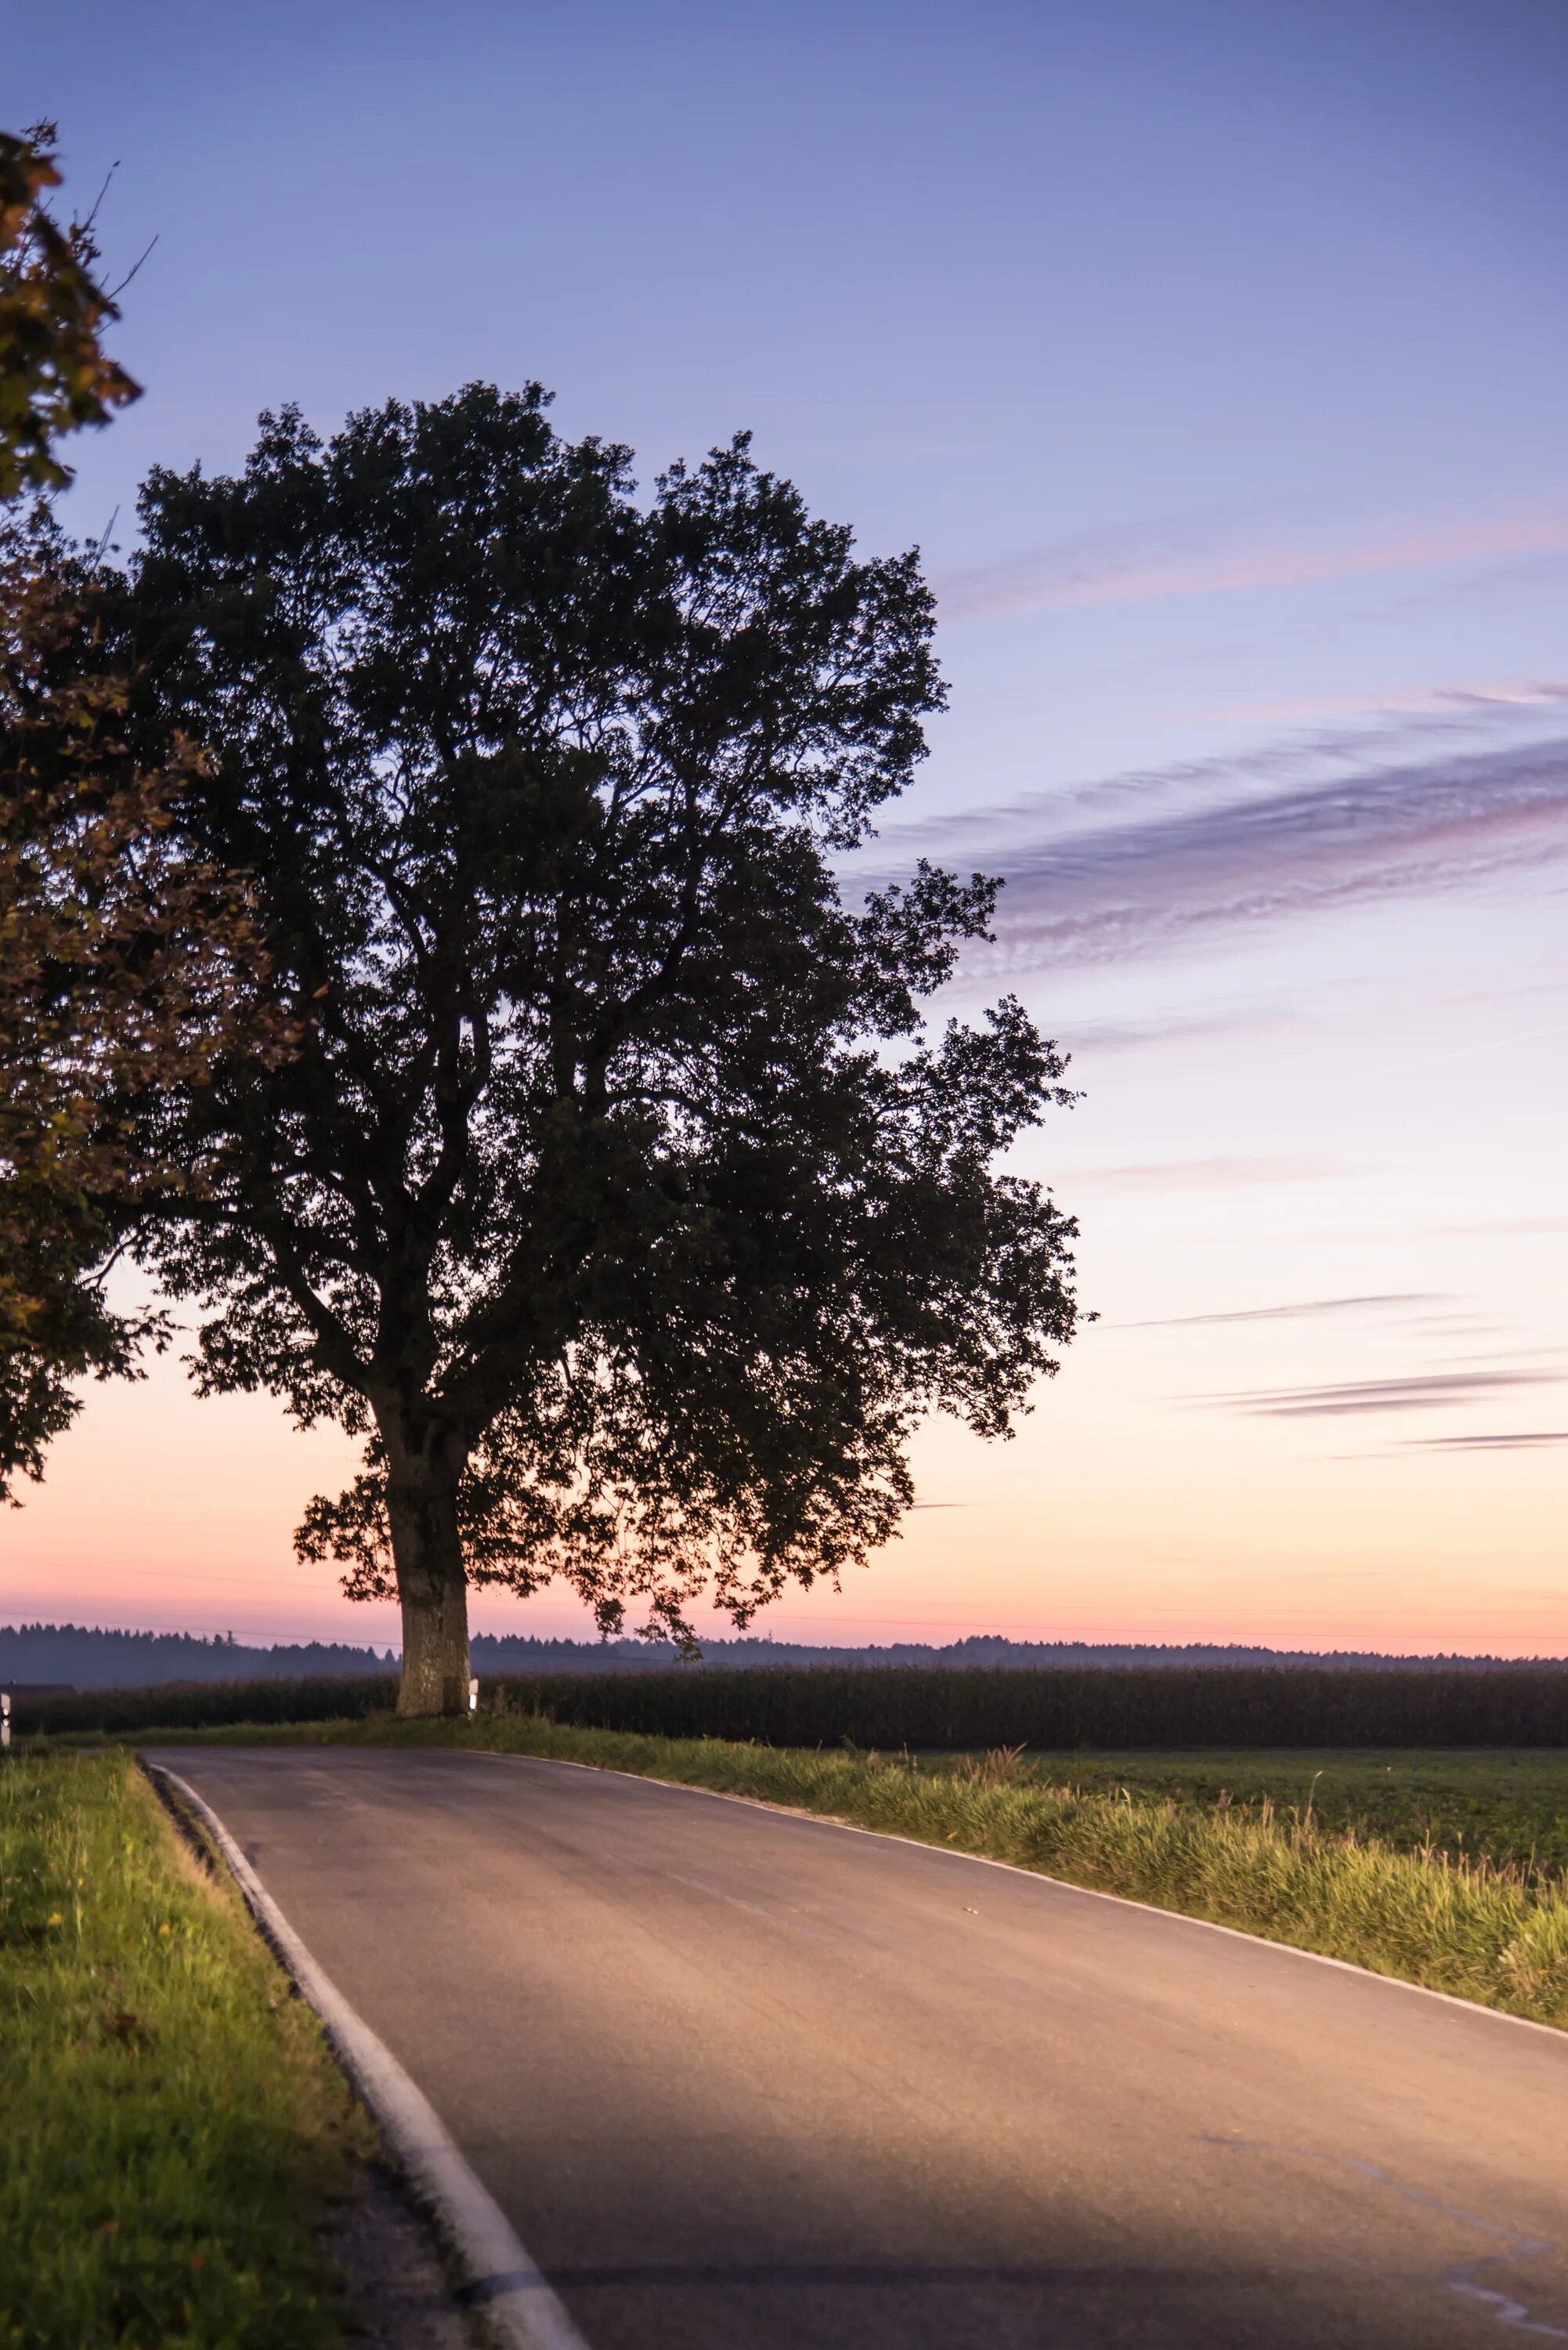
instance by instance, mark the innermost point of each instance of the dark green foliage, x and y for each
(616, 1195)
(196, 1705)
(889, 1708)
(125, 966)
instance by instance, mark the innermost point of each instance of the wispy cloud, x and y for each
(1425, 1391)
(1301, 1309)
(1209, 1174)
(1420, 829)
(1518, 1357)
(1463, 700)
(1103, 1036)
(1149, 860)
(1189, 557)
(1527, 1439)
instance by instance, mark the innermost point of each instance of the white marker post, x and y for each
(5, 1721)
(473, 1697)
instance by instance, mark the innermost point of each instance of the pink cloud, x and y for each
(1458, 700)
(1206, 1174)
(1108, 568)
(1352, 831)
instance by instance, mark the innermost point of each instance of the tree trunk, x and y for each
(432, 1586)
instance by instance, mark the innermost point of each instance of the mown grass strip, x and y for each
(1494, 1935)
(172, 2125)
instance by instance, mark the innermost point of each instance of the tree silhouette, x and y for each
(616, 1195)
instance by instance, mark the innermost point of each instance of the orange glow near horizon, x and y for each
(1110, 1517)
(1326, 1406)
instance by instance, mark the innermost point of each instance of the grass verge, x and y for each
(172, 2124)
(1507, 1804)
(1493, 1932)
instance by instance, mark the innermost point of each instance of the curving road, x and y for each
(744, 2081)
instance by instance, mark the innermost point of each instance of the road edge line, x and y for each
(498, 2282)
(1035, 1876)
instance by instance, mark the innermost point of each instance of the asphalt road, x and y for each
(744, 2081)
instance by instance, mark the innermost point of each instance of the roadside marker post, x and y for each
(6, 1720)
(473, 1697)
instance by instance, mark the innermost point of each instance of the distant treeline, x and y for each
(891, 1707)
(90, 1660)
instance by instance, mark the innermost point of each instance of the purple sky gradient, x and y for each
(1214, 354)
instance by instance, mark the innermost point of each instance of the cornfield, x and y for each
(937, 1711)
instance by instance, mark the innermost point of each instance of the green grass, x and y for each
(1226, 1837)
(1506, 1804)
(172, 2125)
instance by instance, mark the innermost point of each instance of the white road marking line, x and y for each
(515, 2302)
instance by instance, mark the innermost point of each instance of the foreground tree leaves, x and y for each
(125, 964)
(616, 1195)
(55, 374)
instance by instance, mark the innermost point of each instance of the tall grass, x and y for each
(1486, 1932)
(170, 2121)
(1505, 1804)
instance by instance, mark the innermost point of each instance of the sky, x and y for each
(1213, 356)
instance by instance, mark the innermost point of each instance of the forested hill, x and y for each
(86, 1659)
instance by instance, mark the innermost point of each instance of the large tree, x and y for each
(617, 1196)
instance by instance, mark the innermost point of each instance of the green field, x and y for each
(1506, 1804)
(174, 2127)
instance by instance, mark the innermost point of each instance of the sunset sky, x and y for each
(1214, 356)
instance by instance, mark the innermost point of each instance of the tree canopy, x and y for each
(616, 1194)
